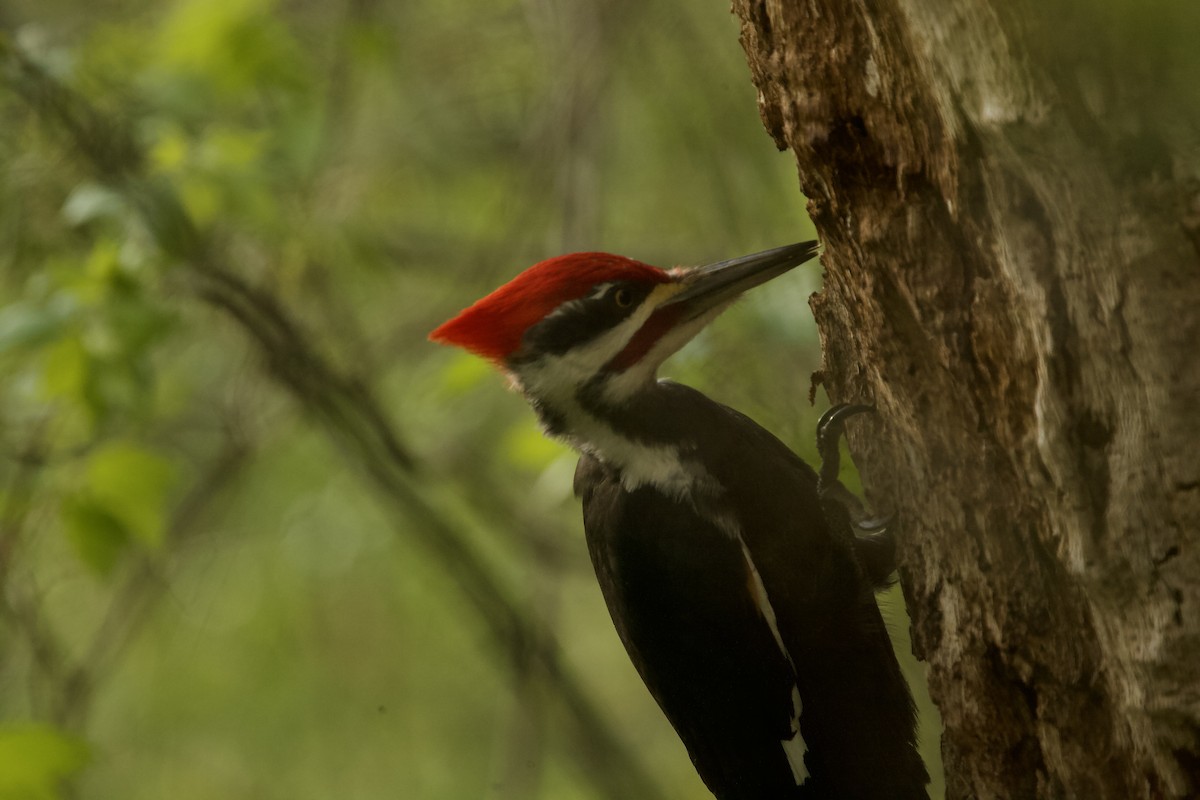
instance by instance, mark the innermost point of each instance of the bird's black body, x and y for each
(679, 574)
(731, 569)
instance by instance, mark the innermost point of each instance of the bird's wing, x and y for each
(857, 714)
(678, 589)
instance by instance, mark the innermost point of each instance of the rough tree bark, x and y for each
(1009, 196)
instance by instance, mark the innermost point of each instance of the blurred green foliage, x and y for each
(196, 582)
(35, 759)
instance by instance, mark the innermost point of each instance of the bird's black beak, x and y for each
(713, 284)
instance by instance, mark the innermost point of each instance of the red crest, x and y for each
(494, 326)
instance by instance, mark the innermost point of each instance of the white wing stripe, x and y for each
(794, 748)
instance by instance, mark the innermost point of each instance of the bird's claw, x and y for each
(875, 524)
(874, 544)
(876, 554)
(830, 427)
(838, 414)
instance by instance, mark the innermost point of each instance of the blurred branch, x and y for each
(134, 601)
(522, 755)
(343, 406)
(27, 463)
(70, 686)
(22, 614)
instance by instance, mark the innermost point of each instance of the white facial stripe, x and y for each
(625, 384)
(574, 367)
(552, 377)
(640, 463)
(553, 380)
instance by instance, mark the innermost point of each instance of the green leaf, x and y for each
(224, 147)
(170, 151)
(97, 536)
(138, 325)
(91, 201)
(104, 260)
(464, 373)
(131, 484)
(122, 502)
(65, 370)
(236, 44)
(528, 448)
(35, 760)
(23, 325)
(201, 198)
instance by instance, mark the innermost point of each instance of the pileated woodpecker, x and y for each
(730, 568)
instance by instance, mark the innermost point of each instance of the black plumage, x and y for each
(675, 573)
(732, 570)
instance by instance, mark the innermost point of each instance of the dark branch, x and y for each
(343, 406)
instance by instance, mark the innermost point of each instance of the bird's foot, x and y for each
(876, 554)
(874, 543)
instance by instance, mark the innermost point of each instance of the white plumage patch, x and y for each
(553, 380)
(641, 464)
(624, 385)
(794, 747)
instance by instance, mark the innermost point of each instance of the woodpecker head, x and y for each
(602, 323)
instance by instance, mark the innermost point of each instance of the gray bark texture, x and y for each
(1009, 197)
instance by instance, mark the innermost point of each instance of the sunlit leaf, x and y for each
(201, 199)
(525, 446)
(227, 147)
(131, 484)
(234, 45)
(121, 502)
(169, 151)
(64, 370)
(103, 261)
(35, 759)
(463, 373)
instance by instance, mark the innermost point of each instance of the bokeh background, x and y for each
(247, 508)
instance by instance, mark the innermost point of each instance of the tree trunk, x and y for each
(1009, 196)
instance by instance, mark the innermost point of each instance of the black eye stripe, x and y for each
(582, 320)
(621, 294)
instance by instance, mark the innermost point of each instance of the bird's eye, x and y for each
(623, 298)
